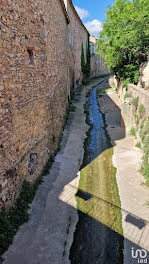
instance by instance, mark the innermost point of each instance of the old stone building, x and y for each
(97, 62)
(40, 47)
(78, 34)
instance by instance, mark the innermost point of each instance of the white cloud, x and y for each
(82, 12)
(94, 26)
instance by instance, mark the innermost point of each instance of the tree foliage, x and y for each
(124, 40)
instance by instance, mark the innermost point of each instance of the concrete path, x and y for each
(48, 235)
(134, 195)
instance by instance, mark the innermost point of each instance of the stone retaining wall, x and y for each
(127, 107)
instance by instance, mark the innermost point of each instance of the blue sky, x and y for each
(92, 13)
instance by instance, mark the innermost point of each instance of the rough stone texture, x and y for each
(35, 56)
(77, 34)
(53, 214)
(127, 107)
(132, 190)
(144, 78)
(97, 62)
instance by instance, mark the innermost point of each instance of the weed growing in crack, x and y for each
(132, 132)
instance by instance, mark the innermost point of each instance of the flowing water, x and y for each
(98, 238)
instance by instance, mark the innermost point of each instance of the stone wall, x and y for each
(144, 76)
(36, 78)
(98, 66)
(78, 33)
(140, 91)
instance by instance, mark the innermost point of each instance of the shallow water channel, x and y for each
(98, 238)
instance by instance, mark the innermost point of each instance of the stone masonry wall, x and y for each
(140, 91)
(79, 34)
(98, 66)
(34, 61)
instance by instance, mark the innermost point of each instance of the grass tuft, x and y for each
(132, 132)
(127, 95)
(138, 145)
(135, 101)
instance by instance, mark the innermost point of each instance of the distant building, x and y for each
(97, 63)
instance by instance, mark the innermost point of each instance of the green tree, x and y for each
(124, 40)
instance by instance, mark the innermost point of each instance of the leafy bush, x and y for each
(138, 145)
(137, 120)
(135, 101)
(146, 128)
(141, 134)
(124, 39)
(132, 132)
(142, 124)
(141, 110)
(145, 168)
(114, 86)
(144, 135)
(127, 95)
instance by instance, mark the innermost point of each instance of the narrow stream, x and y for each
(99, 139)
(98, 237)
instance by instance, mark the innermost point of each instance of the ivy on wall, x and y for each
(86, 62)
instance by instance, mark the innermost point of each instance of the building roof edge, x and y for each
(70, 1)
(65, 11)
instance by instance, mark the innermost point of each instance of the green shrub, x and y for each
(146, 144)
(124, 38)
(135, 101)
(144, 135)
(141, 109)
(132, 132)
(127, 95)
(86, 111)
(146, 128)
(137, 120)
(141, 134)
(125, 83)
(114, 86)
(142, 124)
(138, 145)
(145, 168)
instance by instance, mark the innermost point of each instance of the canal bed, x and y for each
(98, 238)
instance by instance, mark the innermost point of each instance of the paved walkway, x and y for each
(134, 195)
(48, 235)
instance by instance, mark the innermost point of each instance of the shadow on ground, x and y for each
(99, 233)
(93, 193)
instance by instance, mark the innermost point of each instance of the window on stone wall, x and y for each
(71, 40)
(31, 57)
